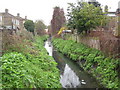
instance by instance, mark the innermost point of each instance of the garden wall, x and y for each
(109, 44)
(93, 42)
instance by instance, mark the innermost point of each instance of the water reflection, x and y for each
(72, 76)
(69, 78)
(49, 47)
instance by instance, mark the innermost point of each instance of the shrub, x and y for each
(25, 70)
(94, 61)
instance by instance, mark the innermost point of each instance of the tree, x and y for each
(29, 25)
(106, 9)
(58, 20)
(40, 26)
(85, 17)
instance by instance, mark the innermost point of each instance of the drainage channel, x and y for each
(71, 74)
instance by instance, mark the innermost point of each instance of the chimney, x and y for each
(6, 10)
(25, 17)
(18, 14)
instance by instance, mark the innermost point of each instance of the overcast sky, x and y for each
(43, 9)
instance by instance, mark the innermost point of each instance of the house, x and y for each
(8, 21)
(111, 14)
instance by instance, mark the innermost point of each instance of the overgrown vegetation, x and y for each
(105, 69)
(17, 43)
(33, 69)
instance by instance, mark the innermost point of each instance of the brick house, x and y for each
(8, 21)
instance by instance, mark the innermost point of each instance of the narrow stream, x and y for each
(71, 74)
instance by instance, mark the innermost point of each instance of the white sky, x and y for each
(43, 9)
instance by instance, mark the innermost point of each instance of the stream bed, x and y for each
(71, 74)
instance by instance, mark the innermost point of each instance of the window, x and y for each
(13, 21)
(17, 22)
(0, 18)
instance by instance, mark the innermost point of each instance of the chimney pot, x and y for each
(18, 14)
(6, 10)
(25, 17)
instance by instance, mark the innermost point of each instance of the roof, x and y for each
(3, 13)
(111, 14)
(20, 18)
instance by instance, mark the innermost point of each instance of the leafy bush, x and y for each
(92, 60)
(30, 70)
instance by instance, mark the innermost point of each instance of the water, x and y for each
(71, 74)
(49, 47)
(69, 78)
